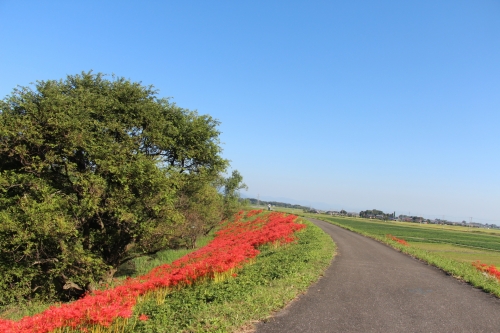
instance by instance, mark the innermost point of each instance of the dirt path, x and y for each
(372, 288)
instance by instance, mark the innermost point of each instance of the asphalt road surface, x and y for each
(370, 287)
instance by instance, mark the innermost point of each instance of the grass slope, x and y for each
(277, 276)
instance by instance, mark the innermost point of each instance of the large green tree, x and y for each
(94, 171)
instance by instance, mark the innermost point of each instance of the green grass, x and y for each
(277, 277)
(451, 250)
(460, 253)
(143, 265)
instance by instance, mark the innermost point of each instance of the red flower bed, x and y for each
(399, 240)
(253, 212)
(491, 269)
(232, 247)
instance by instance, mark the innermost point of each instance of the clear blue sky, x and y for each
(393, 105)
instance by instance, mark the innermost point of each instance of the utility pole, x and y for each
(258, 199)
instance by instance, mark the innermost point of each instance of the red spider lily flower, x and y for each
(490, 270)
(399, 240)
(143, 317)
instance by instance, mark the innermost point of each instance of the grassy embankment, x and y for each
(277, 276)
(451, 248)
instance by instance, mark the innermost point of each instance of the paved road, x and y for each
(372, 288)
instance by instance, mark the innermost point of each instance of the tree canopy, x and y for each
(95, 171)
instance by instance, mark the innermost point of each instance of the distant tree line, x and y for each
(415, 219)
(375, 213)
(95, 172)
(277, 204)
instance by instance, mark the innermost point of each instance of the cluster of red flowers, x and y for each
(491, 269)
(252, 212)
(232, 247)
(399, 240)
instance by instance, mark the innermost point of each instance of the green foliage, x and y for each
(258, 202)
(94, 172)
(375, 213)
(276, 277)
(231, 187)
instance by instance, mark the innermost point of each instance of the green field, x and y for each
(451, 248)
(457, 243)
(431, 237)
(423, 233)
(460, 253)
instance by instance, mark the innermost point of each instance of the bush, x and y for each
(91, 175)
